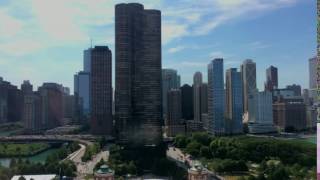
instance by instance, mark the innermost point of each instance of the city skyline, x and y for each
(182, 38)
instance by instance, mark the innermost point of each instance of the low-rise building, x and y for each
(289, 114)
(35, 177)
(197, 172)
(104, 173)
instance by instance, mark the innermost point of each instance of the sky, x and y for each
(43, 40)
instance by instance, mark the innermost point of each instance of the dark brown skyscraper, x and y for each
(51, 105)
(272, 78)
(187, 102)
(138, 105)
(101, 90)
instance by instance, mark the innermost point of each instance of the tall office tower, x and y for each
(204, 98)
(51, 105)
(204, 105)
(313, 73)
(15, 104)
(11, 102)
(101, 90)
(170, 80)
(26, 87)
(32, 112)
(138, 93)
(82, 91)
(197, 82)
(68, 108)
(249, 82)
(87, 60)
(173, 124)
(272, 78)
(216, 97)
(3, 101)
(187, 102)
(234, 103)
(260, 110)
(295, 88)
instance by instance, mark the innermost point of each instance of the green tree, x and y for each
(193, 148)
(205, 152)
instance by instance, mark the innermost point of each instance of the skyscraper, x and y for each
(249, 82)
(51, 105)
(187, 102)
(216, 97)
(197, 82)
(272, 78)
(138, 96)
(87, 60)
(26, 87)
(204, 98)
(82, 91)
(101, 90)
(170, 80)
(204, 105)
(260, 112)
(313, 73)
(32, 112)
(234, 102)
(174, 125)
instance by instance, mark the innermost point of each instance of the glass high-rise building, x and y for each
(249, 82)
(87, 60)
(313, 73)
(216, 97)
(197, 82)
(272, 78)
(170, 80)
(138, 93)
(234, 101)
(82, 91)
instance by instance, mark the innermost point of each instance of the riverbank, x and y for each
(22, 149)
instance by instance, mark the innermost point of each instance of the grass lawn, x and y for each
(235, 177)
(19, 149)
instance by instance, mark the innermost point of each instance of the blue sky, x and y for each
(43, 40)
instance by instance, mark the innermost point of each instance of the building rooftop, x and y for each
(104, 169)
(35, 177)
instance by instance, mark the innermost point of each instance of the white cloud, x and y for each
(228, 10)
(193, 64)
(176, 49)
(219, 54)
(258, 45)
(20, 47)
(173, 30)
(9, 26)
